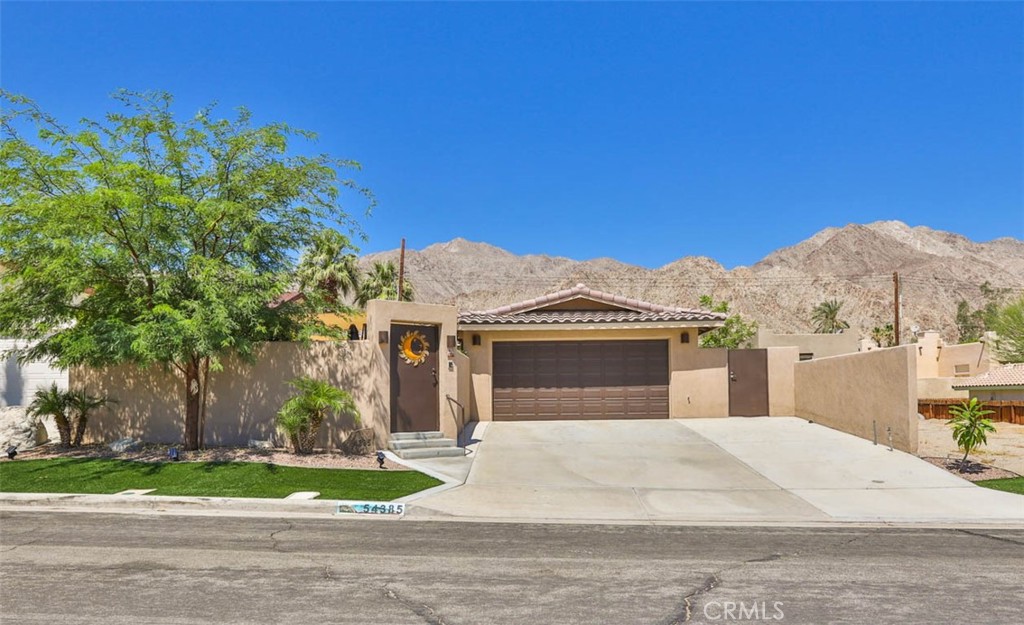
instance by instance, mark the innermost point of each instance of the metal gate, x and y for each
(748, 382)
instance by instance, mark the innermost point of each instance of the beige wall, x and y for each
(698, 383)
(849, 392)
(382, 313)
(938, 388)
(781, 383)
(937, 359)
(821, 345)
(1008, 394)
(244, 398)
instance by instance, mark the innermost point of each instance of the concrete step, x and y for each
(415, 436)
(420, 444)
(430, 452)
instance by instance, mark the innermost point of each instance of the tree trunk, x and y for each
(193, 398)
(205, 392)
(63, 429)
(81, 420)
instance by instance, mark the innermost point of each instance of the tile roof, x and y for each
(633, 311)
(1007, 375)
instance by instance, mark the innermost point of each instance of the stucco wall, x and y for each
(781, 383)
(937, 359)
(244, 397)
(850, 392)
(1009, 394)
(821, 345)
(938, 388)
(381, 314)
(698, 380)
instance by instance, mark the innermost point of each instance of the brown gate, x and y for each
(415, 405)
(748, 382)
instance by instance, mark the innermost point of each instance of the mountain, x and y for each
(854, 264)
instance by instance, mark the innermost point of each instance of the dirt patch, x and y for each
(1005, 448)
(975, 471)
(158, 453)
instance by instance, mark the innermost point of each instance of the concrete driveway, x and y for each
(771, 469)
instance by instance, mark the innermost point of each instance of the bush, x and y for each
(301, 416)
(69, 409)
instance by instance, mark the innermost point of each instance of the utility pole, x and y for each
(401, 271)
(896, 307)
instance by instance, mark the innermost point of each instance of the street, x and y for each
(129, 568)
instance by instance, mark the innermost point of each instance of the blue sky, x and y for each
(644, 132)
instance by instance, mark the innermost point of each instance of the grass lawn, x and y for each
(205, 479)
(1010, 484)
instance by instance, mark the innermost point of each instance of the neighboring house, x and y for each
(941, 365)
(810, 345)
(19, 382)
(1004, 383)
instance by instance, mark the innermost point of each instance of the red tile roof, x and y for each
(630, 311)
(1005, 376)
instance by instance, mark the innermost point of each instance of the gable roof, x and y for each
(1007, 376)
(622, 310)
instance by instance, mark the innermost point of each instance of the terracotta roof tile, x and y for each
(1008, 375)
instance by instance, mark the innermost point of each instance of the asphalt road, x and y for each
(109, 568)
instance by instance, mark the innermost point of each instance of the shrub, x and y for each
(69, 409)
(301, 416)
(970, 428)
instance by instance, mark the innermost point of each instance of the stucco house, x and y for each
(1004, 383)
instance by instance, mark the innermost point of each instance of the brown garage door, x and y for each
(550, 380)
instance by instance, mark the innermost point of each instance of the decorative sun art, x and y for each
(414, 348)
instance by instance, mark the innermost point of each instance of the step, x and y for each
(414, 436)
(421, 444)
(430, 452)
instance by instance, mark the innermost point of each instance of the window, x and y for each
(961, 371)
(806, 355)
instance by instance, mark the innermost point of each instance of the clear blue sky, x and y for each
(645, 132)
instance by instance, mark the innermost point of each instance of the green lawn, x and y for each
(205, 479)
(1010, 484)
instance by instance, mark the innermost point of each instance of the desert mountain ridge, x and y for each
(853, 263)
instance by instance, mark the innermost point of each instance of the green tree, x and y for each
(734, 334)
(302, 415)
(140, 238)
(970, 428)
(53, 402)
(1009, 326)
(825, 317)
(381, 282)
(329, 266)
(972, 323)
(80, 404)
(884, 336)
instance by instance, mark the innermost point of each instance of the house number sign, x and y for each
(377, 508)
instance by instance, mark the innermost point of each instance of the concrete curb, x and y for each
(449, 482)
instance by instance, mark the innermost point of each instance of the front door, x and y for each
(748, 382)
(415, 406)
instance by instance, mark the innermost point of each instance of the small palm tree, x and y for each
(301, 416)
(381, 282)
(80, 404)
(53, 402)
(825, 317)
(329, 265)
(883, 336)
(970, 428)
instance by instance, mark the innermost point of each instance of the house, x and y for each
(941, 365)
(20, 381)
(811, 345)
(1004, 383)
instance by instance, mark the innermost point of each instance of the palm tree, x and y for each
(825, 317)
(81, 404)
(329, 265)
(381, 282)
(302, 415)
(883, 336)
(53, 402)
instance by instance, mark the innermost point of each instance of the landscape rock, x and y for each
(20, 430)
(125, 444)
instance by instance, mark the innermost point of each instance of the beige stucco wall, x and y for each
(1009, 394)
(698, 380)
(850, 392)
(821, 345)
(381, 314)
(938, 388)
(244, 397)
(937, 359)
(781, 382)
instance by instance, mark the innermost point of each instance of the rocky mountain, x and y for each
(854, 264)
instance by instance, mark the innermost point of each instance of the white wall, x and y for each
(18, 383)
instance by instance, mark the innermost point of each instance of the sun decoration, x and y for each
(414, 347)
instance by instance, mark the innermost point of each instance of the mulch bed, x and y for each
(158, 453)
(974, 471)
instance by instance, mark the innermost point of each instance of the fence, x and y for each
(1004, 411)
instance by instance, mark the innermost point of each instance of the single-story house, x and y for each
(1004, 383)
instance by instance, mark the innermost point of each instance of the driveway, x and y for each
(771, 469)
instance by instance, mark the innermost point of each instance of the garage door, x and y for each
(550, 380)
